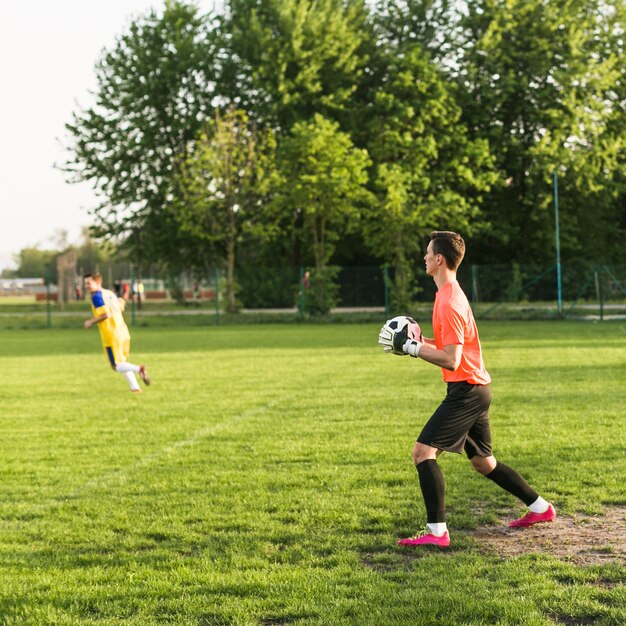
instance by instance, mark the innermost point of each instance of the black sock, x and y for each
(507, 478)
(433, 490)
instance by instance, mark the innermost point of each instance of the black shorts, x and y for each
(461, 421)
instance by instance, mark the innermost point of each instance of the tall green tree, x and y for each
(427, 173)
(538, 80)
(291, 59)
(598, 175)
(36, 263)
(324, 184)
(92, 255)
(154, 89)
(429, 23)
(224, 182)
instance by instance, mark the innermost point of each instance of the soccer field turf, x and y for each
(265, 476)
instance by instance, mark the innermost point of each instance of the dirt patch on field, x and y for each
(581, 539)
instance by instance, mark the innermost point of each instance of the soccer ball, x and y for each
(399, 322)
(402, 324)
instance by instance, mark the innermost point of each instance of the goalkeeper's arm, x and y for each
(449, 358)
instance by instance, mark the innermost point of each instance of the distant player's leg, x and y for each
(143, 372)
(135, 369)
(126, 369)
(141, 369)
(478, 450)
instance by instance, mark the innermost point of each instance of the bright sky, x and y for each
(48, 51)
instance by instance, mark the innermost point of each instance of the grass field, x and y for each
(265, 476)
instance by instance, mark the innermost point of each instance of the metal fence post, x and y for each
(602, 296)
(386, 286)
(559, 295)
(132, 297)
(48, 305)
(474, 284)
(217, 296)
(301, 291)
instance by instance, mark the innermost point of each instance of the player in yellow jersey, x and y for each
(108, 311)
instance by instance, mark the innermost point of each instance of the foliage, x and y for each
(224, 183)
(426, 170)
(466, 109)
(321, 290)
(537, 79)
(290, 59)
(323, 184)
(429, 23)
(267, 287)
(154, 89)
(36, 263)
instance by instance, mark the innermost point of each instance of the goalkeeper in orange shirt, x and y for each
(107, 311)
(461, 422)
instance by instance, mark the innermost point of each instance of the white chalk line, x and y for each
(120, 474)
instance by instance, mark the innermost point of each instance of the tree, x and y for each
(538, 81)
(224, 181)
(427, 173)
(90, 256)
(155, 89)
(290, 59)
(594, 179)
(432, 24)
(36, 263)
(324, 183)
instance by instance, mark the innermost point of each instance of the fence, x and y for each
(495, 291)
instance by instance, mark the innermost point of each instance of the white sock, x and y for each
(132, 381)
(127, 370)
(122, 368)
(539, 505)
(437, 528)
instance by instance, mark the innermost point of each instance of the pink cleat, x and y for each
(425, 539)
(534, 518)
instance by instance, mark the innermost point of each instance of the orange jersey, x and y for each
(453, 323)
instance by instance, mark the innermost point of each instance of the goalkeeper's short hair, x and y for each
(450, 246)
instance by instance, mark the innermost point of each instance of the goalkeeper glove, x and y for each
(412, 347)
(393, 340)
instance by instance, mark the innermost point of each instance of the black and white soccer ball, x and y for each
(399, 322)
(395, 325)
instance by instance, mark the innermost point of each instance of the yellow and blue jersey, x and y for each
(113, 330)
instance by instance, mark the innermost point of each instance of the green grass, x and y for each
(265, 477)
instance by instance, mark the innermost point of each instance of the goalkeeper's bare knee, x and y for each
(483, 464)
(422, 452)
